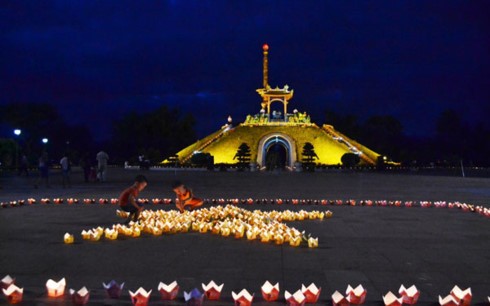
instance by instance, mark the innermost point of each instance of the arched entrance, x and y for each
(276, 157)
(276, 151)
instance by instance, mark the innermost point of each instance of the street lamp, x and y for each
(17, 133)
(44, 140)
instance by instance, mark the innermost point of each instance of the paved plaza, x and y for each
(378, 247)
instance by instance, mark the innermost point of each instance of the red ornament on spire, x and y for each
(265, 47)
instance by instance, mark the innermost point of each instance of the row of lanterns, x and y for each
(480, 209)
(212, 291)
(225, 221)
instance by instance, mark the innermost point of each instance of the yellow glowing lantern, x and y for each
(68, 238)
(157, 231)
(136, 232)
(111, 234)
(203, 228)
(265, 236)
(225, 231)
(195, 226)
(251, 235)
(86, 234)
(279, 239)
(312, 242)
(295, 241)
(95, 236)
(239, 231)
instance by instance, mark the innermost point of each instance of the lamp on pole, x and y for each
(17, 133)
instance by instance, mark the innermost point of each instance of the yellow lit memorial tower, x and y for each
(277, 135)
(269, 95)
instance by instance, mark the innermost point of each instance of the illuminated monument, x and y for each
(277, 135)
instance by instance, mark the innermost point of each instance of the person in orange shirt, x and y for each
(185, 198)
(127, 199)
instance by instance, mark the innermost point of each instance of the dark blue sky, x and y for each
(96, 60)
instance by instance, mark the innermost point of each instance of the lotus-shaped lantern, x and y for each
(296, 299)
(68, 238)
(312, 293)
(55, 289)
(113, 289)
(410, 295)
(243, 298)
(356, 296)
(170, 291)
(464, 296)
(110, 234)
(449, 301)
(193, 298)
(270, 292)
(7, 281)
(80, 297)
(391, 299)
(140, 297)
(13, 294)
(339, 300)
(212, 290)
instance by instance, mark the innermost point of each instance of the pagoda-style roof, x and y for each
(276, 92)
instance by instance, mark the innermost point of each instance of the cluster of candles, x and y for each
(212, 292)
(226, 221)
(480, 209)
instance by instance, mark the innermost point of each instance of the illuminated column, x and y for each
(285, 109)
(265, 71)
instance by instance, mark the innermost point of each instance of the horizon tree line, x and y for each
(161, 133)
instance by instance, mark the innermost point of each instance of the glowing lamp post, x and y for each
(17, 133)
(45, 140)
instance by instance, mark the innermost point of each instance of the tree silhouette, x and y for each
(350, 160)
(40, 120)
(156, 134)
(243, 156)
(309, 156)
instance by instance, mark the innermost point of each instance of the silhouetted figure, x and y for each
(24, 166)
(86, 164)
(43, 166)
(65, 171)
(102, 160)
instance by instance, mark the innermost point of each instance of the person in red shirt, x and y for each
(127, 199)
(185, 198)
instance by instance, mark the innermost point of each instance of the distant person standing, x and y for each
(43, 166)
(65, 170)
(24, 165)
(102, 159)
(85, 164)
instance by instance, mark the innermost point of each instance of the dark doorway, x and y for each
(276, 157)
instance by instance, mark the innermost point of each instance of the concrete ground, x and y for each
(378, 247)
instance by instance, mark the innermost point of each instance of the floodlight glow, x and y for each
(17, 132)
(44, 140)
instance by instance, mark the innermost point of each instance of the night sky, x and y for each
(97, 60)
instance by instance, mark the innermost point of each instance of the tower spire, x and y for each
(265, 71)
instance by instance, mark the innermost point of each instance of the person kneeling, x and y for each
(185, 199)
(127, 199)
